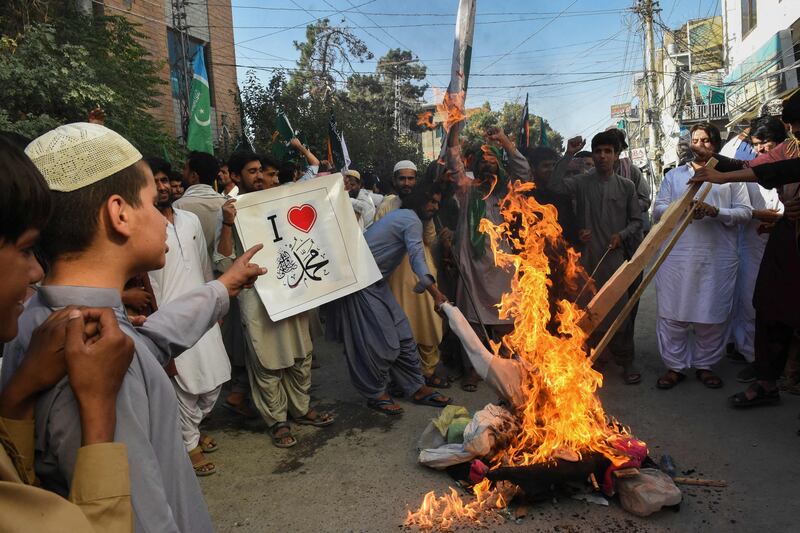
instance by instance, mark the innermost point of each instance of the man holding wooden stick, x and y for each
(607, 214)
(696, 282)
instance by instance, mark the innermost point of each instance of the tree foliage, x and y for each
(362, 104)
(53, 70)
(508, 119)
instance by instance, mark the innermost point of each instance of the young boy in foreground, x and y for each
(106, 229)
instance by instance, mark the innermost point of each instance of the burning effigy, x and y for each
(554, 429)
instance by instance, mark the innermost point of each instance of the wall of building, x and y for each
(149, 15)
(771, 16)
(223, 73)
(213, 26)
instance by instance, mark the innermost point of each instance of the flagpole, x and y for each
(462, 57)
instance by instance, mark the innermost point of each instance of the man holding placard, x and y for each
(277, 354)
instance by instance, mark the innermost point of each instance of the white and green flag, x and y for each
(198, 135)
(462, 57)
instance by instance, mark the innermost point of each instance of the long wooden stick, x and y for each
(701, 482)
(687, 219)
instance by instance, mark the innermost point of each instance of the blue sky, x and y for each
(573, 57)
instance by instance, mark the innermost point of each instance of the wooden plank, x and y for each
(632, 299)
(617, 285)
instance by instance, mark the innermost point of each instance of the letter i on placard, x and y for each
(272, 218)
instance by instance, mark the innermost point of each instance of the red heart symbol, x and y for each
(302, 217)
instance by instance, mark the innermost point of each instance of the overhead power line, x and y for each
(378, 26)
(385, 14)
(308, 22)
(521, 86)
(529, 37)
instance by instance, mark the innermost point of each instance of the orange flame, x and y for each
(448, 511)
(425, 120)
(562, 416)
(562, 411)
(452, 108)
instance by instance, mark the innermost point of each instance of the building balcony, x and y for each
(704, 112)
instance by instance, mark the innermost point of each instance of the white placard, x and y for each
(314, 250)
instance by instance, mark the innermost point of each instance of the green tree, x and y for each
(368, 116)
(363, 104)
(54, 73)
(508, 119)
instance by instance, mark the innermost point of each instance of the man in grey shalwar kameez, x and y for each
(375, 331)
(608, 215)
(105, 228)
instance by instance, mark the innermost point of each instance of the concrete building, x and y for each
(762, 48)
(725, 70)
(689, 71)
(208, 25)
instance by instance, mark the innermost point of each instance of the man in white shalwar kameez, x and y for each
(695, 285)
(200, 371)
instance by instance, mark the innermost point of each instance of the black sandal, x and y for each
(670, 379)
(709, 379)
(381, 407)
(762, 397)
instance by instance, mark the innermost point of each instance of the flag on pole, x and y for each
(543, 133)
(524, 133)
(243, 144)
(462, 58)
(337, 149)
(281, 136)
(198, 135)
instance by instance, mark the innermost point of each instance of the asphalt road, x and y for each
(361, 473)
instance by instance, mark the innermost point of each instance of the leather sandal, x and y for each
(708, 378)
(202, 466)
(281, 434)
(670, 379)
(762, 397)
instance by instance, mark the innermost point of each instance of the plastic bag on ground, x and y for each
(647, 492)
(446, 417)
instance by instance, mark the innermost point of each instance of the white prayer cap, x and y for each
(74, 156)
(354, 174)
(403, 165)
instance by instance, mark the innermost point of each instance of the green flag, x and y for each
(543, 133)
(281, 135)
(198, 137)
(462, 59)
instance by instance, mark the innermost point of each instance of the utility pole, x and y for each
(179, 25)
(645, 10)
(396, 103)
(397, 95)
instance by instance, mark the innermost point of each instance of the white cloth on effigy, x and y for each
(505, 376)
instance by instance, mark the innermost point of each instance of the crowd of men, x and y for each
(128, 300)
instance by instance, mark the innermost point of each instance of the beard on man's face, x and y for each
(164, 199)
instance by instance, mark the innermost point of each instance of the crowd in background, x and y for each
(128, 309)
